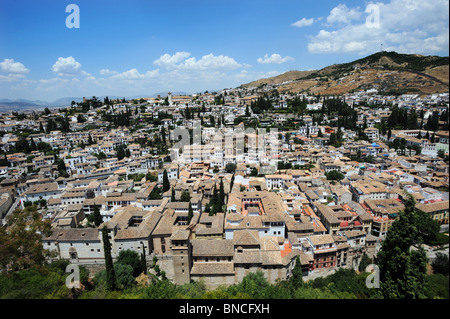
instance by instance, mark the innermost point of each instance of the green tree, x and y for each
(190, 213)
(121, 151)
(334, 175)
(33, 146)
(437, 286)
(131, 258)
(61, 167)
(166, 183)
(440, 264)
(365, 261)
(96, 217)
(185, 196)
(221, 193)
(90, 141)
(109, 267)
(433, 121)
(427, 228)
(163, 135)
(80, 118)
(21, 242)
(402, 259)
(297, 275)
(123, 277)
(65, 124)
(51, 126)
(214, 202)
(319, 133)
(143, 260)
(412, 120)
(230, 168)
(254, 285)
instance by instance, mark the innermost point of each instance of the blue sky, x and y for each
(138, 47)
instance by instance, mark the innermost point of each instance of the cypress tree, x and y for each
(297, 276)
(166, 183)
(143, 260)
(33, 145)
(190, 213)
(110, 273)
(97, 216)
(163, 135)
(221, 193)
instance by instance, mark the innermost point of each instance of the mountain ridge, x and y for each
(388, 72)
(7, 105)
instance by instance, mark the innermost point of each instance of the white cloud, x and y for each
(274, 58)
(303, 22)
(12, 77)
(211, 62)
(107, 72)
(181, 61)
(133, 74)
(406, 26)
(67, 66)
(342, 14)
(10, 66)
(168, 60)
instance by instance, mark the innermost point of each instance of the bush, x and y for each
(441, 239)
(440, 264)
(131, 258)
(124, 277)
(334, 175)
(34, 284)
(436, 286)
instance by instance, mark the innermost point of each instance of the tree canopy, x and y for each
(21, 241)
(402, 258)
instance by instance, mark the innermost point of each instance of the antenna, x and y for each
(381, 47)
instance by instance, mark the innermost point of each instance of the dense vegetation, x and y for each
(49, 282)
(408, 61)
(24, 273)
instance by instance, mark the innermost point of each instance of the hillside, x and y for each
(388, 72)
(276, 80)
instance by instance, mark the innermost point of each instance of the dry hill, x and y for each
(388, 72)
